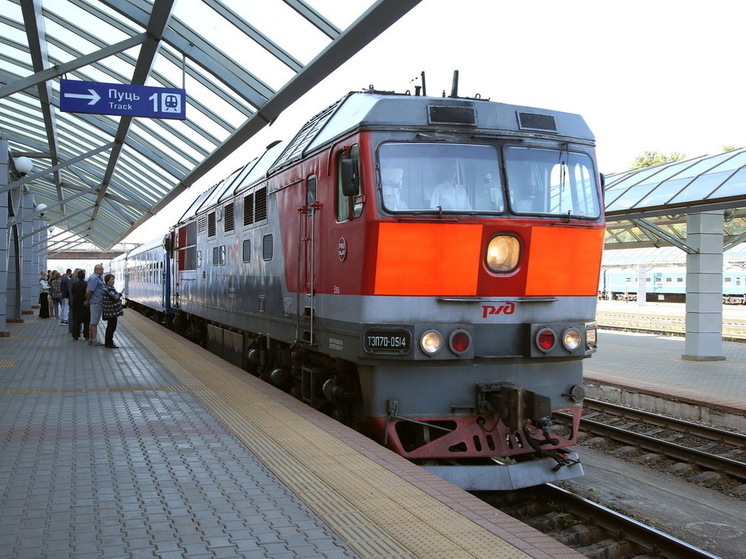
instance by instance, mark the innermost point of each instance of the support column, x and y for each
(4, 183)
(642, 285)
(704, 287)
(33, 257)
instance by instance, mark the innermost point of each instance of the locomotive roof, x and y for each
(372, 109)
(369, 109)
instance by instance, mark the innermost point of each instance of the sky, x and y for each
(647, 75)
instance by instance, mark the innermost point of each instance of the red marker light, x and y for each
(460, 341)
(545, 339)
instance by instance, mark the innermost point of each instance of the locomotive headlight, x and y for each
(431, 342)
(571, 339)
(502, 253)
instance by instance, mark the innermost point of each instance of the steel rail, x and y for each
(680, 425)
(644, 536)
(703, 459)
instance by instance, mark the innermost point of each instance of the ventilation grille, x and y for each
(228, 219)
(211, 224)
(451, 115)
(533, 121)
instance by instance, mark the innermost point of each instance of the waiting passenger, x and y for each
(111, 303)
(81, 314)
(44, 290)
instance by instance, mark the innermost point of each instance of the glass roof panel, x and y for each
(701, 187)
(734, 186)
(231, 56)
(680, 182)
(662, 192)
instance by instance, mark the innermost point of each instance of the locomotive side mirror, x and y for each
(350, 178)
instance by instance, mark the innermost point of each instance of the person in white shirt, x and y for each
(449, 194)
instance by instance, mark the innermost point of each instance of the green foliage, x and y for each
(650, 158)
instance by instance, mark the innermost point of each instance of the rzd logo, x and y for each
(507, 308)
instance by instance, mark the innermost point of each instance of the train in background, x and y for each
(424, 269)
(665, 284)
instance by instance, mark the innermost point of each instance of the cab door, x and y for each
(308, 258)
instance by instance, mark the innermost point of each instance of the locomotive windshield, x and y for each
(445, 177)
(551, 182)
(462, 178)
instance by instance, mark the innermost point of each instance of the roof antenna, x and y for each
(454, 85)
(424, 89)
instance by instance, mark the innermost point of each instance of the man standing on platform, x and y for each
(93, 297)
(65, 300)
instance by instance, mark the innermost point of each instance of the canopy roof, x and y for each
(648, 207)
(102, 176)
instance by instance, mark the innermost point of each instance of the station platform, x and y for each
(653, 364)
(161, 449)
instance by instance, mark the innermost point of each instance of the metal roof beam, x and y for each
(62, 69)
(36, 35)
(254, 34)
(155, 28)
(377, 19)
(54, 168)
(656, 231)
(313, 17)
(197, 49)
(734, 241)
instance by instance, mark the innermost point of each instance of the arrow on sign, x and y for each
(94, 97)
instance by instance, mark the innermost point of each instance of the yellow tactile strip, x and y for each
(375, 511)
(8, 363)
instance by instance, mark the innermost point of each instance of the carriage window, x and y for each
(439, 177)
(246, 250)
(267, 248)
(310, 193)
(551, 182)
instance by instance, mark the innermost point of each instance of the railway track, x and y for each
(589, 528)
(711, 457)
(734, 329)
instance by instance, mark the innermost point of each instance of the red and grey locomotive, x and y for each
(423, 268)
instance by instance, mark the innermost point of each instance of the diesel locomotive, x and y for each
(424, 269)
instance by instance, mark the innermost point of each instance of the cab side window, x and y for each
(349, 185)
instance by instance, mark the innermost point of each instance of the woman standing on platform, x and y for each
(43, 296)
(56, 292)
(111, 305)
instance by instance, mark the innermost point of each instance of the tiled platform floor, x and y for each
(160, 449)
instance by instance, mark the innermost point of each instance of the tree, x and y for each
(650, 158)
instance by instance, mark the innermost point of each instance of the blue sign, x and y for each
(122, 99)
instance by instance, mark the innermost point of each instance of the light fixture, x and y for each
(23, 165)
